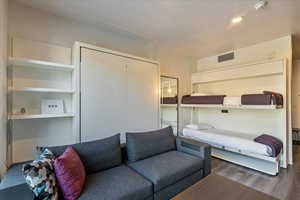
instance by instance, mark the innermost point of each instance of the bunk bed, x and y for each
(249, 90)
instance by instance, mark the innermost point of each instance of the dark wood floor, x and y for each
(285, 186)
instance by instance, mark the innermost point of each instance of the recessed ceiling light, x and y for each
(236, 20)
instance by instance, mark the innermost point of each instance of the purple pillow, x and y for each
(70, 174)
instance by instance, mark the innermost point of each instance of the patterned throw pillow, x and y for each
(40, 177)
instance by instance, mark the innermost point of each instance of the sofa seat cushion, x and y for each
(17, 192)
(118, 183)
(13, 176)
(168, 168)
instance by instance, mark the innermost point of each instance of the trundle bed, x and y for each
(238, 148)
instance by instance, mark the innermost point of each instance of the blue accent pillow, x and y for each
(40, 177)
(146, 144)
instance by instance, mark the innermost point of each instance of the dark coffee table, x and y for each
(215, 187)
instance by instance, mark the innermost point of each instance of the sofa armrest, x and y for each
(17, 192)
(198, 149)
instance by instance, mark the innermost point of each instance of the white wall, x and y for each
(28, 23)
(3, 53)
(296, 94)
(279, 48)
(180, 67)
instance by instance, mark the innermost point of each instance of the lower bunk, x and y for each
(238, 149)
(268, 165)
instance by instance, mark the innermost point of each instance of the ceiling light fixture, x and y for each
(236, 20)
(261, 4)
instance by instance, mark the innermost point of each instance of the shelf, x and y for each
(39, 64)
(39, 116)
(221, 106)
(46, 90)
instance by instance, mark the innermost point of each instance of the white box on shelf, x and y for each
(52, 106)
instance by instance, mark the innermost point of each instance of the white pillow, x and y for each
(200, 94)
(192, 126)
(232, 101)
(200, 126)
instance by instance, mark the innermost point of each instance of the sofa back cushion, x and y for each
(146, 144)
(95, 155)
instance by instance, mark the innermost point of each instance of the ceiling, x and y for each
(195, 28)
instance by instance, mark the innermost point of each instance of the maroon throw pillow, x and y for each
(70, 174)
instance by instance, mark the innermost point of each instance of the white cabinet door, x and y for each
(143, 95)
(103, 95)
(118, 95)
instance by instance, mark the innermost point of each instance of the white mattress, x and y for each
(233, 140)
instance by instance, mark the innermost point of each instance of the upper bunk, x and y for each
(243, 86)
(265, 100)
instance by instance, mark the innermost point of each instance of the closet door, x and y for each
(103, 95)
(143, 95)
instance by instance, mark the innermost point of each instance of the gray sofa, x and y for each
(153, 165)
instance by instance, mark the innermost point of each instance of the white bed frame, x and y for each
(266, 164)
(248, 71)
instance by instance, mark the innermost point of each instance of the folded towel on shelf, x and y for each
(274, 143)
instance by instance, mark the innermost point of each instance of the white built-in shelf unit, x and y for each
(36, 72)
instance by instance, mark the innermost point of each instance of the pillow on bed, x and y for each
(200, 126)
(200, 94)
(192, 126)
(232, 101)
